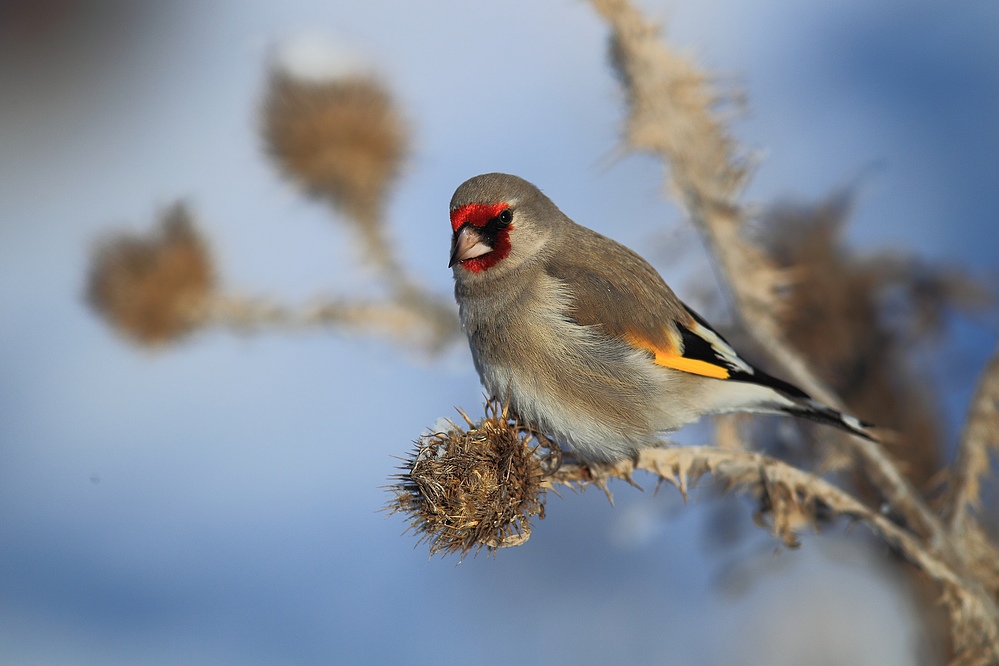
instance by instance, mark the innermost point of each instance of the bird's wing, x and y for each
(625, 298)
(634, 304)
(702, 351)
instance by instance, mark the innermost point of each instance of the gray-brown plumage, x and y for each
(584, 337)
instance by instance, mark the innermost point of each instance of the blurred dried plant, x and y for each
(861, 320)
(343, 141)
(154, 288)
(866, 323)
(979, 439)
(340, 139)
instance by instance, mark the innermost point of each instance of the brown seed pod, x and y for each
(153, 288)
(340, 139)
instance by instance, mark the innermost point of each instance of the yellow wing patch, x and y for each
(693, 366)
(670, 358)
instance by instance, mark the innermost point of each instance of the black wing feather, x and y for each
(696, 347)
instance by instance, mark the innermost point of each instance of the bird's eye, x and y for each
(505, 217)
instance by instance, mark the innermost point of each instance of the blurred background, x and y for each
(217, 500)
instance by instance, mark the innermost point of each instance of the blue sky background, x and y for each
(217, 501)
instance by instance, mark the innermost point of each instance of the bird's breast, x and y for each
(557, 373)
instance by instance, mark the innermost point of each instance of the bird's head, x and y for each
(499, 222)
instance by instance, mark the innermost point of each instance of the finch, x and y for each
(584, 338)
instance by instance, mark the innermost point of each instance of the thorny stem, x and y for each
(969, 602)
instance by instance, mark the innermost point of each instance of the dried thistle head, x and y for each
(465, 490)
(153, 287)
(341, 139)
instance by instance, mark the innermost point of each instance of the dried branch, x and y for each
(671, 114)
(411, 324)
(160, 286)
(464, 490)
(979, 439)
(790, 498)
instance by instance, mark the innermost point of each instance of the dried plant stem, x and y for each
(344, 141)
(792, 498)
(377, 251)
(980, 437)
(404, 321)
(671, 114)
(406, 290)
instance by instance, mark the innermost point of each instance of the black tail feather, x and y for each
(814, 411)
(802, 405)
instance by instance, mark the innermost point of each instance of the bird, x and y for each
(584, 340)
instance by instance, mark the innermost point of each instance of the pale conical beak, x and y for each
(467, 244)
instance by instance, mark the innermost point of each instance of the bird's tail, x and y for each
(765, 393)
(807, 408)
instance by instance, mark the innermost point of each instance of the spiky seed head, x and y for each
(465, 490)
